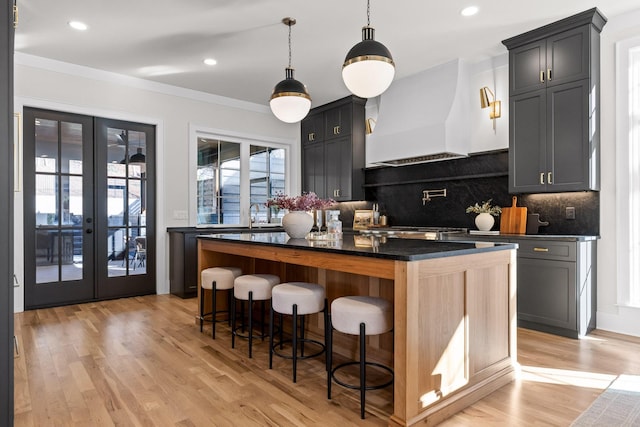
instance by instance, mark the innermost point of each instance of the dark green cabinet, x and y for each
(333, 150)
(554, 132)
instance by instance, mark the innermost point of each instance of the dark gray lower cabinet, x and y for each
(557, 286)
(183, 263)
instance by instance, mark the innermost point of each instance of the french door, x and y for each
(88, 208)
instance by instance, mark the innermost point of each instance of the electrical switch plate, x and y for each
(570, 212)
(180, 215)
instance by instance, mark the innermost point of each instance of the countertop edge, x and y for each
(396, 257)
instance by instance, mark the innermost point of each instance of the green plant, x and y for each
(485, 207)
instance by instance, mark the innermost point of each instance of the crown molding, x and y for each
(134, 82)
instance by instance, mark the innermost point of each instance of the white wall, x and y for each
(493, 73)
(611, 316)
(65, 87)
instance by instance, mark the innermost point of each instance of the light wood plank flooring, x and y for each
(143, 362)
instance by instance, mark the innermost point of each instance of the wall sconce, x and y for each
(495, 105)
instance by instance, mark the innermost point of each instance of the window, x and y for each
(266, 166)
(235, 177)
(628, 174)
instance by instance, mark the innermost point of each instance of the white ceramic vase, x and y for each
(484, 221)
(297, 224)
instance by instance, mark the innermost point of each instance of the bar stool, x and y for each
(359, 315)
(216, 279)
(296, 299)
(251, 287)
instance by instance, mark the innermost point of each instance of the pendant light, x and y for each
(290, 101)
(368, 69)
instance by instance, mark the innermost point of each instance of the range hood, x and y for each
(422, 118)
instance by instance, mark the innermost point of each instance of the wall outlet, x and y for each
(570, 212)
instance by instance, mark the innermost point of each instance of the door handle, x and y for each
(549, 74)
(549, 175)
(542, 178)
(541, 76)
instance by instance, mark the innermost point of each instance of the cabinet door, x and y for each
(526, 64)
(313, 174)
(339, 168)
(312, 128)
(569, 150)
(547, 292)
(568, 56)
(527, 142)
(338, 121)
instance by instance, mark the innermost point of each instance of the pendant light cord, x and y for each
(368, 14)
(290, 44)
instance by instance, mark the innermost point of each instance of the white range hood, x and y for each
(422, 118)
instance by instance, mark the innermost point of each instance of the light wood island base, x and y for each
(454, 338)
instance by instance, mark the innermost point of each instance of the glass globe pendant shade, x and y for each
(368, 69)
(290, 101)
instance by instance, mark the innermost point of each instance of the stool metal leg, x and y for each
(233, 324)
(214, 308)
(271, 336)
(325, 313)
(301, 336)
(280, 333)
(229, 302)
(294, 341)
(250, 322)
(201, 307)
(363, 368)
(262, 310)
(329, 338)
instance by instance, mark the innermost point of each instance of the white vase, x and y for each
(297, 224)
(484, 221)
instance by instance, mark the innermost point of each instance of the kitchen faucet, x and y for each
(251, 219)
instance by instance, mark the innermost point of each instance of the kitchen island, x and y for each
(454, 337)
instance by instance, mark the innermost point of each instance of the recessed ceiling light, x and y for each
(77, 25)
(469, 11)
(210, 61)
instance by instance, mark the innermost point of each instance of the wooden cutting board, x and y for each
(513, 220)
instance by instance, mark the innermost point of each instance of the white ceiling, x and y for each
(167, 40)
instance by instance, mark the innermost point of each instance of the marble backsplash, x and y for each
(479, 177)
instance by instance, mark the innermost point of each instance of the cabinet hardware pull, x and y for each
(542, 178)
(336, 130)
(541, 76)
(541, 249)
(549, 175)
(549, 74)
(312, 136)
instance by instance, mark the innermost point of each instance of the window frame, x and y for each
(245, 140)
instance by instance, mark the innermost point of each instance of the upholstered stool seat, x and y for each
(362, 316)
(250, 288)
(216, 279)
(296, 299)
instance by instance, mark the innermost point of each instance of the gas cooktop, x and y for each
(409, 232)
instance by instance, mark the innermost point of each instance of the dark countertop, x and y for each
(508, 237)
(218, 229)
(374, 247)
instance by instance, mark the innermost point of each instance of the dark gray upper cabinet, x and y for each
(554, 114)
(333, 150)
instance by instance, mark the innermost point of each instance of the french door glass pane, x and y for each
(71, 147)
(46, 199)
(126, 177)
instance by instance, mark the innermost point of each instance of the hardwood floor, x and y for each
(143, 362)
